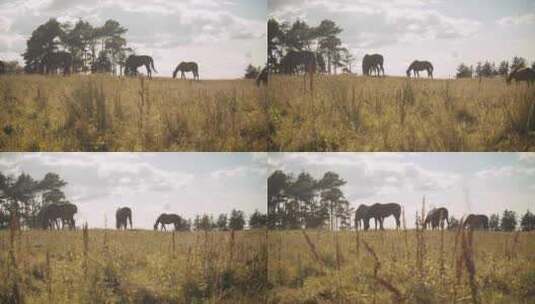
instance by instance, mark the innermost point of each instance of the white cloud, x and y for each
(524, 19)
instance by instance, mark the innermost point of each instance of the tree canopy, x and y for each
(99, 49)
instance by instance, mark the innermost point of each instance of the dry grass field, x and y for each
(104, 113)
(350, 113)
(401, 267)
(106, 266)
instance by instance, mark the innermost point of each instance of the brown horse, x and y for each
(51, 215)
(373, 62)
(417, 66)
(476, 221)
(522, 74)
(379, 211)
(436, 217)
(123, 216)
(166, 219)
(262, 77)
(135, 61)
(294, 61)
(56, 60)
(184, 67)
(2, 67)
(360, 215)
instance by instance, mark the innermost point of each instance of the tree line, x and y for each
(490, 69)
(297, 202)
(24, 196)
(93, 48)
(306, 202)
(322, 39)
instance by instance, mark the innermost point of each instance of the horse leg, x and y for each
(149, 73)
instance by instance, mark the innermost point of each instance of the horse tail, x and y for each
(152, 65)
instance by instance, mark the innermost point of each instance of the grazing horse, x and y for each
(436, 217)
(184, 67)
(379, 211)
(135, 61)
(360, 215)
(168, 218)
(55, 60)
(262, 77)
(51, 214)
(476, 221)
(417, 66)
(522, 74)
(2, 67)
(373, 62)
(294, 60)
(123, 216)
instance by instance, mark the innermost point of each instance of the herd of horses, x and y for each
(56, 216)
(295, 62)
(435, 218)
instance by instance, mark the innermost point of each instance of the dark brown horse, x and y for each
(380, 211)
(522, 74)
(262, 77)
(51, 215)
(123, 216)
(361, 215)
(166, 219)
(2, 67)
(436, 218)
(135, 61)
(184, 67)
(417, 66)
(294, 61)
(373, 63)
(53, 61)
(476, 221)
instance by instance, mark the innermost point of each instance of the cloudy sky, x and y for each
(223, 36)
(462, 182)
(446, 32)
(150, 183)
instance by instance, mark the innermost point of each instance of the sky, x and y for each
(445, 32)
(150, 183)
(223, 36)
(462, 182)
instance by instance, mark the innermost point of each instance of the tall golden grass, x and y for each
(104, 113)
(100, 266)
(317, 267)
(354, 113)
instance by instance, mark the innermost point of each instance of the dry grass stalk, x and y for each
(468, 257)
(313, 250)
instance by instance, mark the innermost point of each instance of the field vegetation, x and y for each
(106, 113)
(103, 266)
(405, 266)
(350, 113)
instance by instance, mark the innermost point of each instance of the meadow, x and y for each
(406, 266)
(104, 266)
(105, 113)
(355, 113)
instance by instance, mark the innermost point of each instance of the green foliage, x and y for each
(251, 72)
(508, 220)
(306, 202)
(236, 220)
(527, 223)
(257, 220)
(463, 71)
(494, 222)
